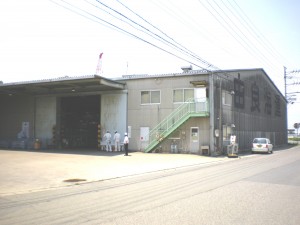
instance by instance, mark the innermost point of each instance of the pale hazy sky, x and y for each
(40, 39)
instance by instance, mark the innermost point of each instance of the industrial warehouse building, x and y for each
(190, 112)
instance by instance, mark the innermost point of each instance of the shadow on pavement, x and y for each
(94, 152)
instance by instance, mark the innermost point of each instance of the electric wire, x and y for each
(191, 54)
(271, 65)
(255, 30)
(262, 39)
(175, 43)
(201, 2)
(245, 37)
(239, 20)
(249, 28)
(126, 32)
(127, 21)
(170, 42)
(92, 17)
(158, 37)
(162, 32)
(190, 22)
(81, 14)
(188, 51)
(222, 21)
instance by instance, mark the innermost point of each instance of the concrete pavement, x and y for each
(30, 171)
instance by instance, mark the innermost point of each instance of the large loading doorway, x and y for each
(80, 117)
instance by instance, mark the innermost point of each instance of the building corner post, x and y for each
(212, 115)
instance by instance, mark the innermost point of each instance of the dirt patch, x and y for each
(74, 180)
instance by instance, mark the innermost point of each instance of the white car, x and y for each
(262, 145)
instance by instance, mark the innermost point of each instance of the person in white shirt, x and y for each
(107, 139)
(117, 141)
(126, 142)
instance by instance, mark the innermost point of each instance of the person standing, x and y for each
(126, 142)
(117, 141)
(107, 139)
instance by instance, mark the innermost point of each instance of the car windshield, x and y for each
(260, 141)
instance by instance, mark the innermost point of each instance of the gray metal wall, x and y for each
(114, 112)
(16, 109)
(182, 137)
(45, 119)
(263, 113)
(150, 115)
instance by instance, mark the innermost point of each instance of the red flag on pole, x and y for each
(99, 66)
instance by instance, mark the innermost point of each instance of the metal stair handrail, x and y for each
(160, 131)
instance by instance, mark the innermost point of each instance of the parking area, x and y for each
(29, 171)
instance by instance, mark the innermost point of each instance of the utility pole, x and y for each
(285, 82)
(286, 108)
(289, 96)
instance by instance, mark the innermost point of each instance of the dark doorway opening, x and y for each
(80, 117)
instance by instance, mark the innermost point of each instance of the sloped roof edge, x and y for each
(50, 80)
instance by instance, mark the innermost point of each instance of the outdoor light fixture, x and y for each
(199, 83)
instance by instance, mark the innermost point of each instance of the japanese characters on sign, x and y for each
(255, 98)
(262, 100)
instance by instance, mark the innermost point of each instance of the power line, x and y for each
(110, 25)
(187, 52)
(172, 42)
(253, 44)
(190, 22)
(249, 29)
(257, 33)
(155, 27)
(166, 40)
(220, 22)
(93, 17)
(158, 37)
(81, 14)
(184, 50)
(233, 28)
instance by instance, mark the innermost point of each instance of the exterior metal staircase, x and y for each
(191, 108)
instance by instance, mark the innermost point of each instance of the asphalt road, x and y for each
(259, 189)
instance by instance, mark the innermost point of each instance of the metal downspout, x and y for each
(212, 115)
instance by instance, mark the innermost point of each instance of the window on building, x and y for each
(227, 132)
(182, 95)
(239, 90)
(150, 97)
(226, 98)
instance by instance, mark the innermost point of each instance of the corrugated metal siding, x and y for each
(264, 111)
(16, 109)
(150, 115)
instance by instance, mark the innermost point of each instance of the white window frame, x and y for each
(150, 92)
(226, 98)
(183, 93)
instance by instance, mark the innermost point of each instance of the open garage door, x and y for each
(79, 119)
